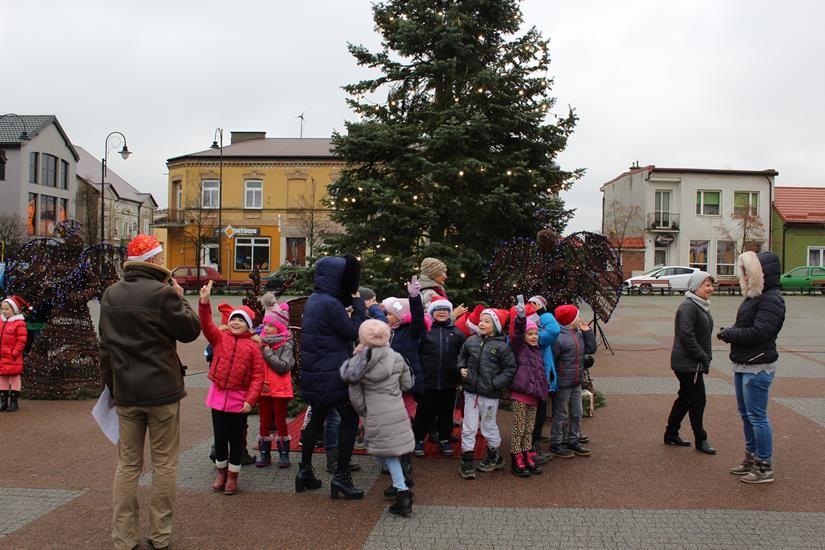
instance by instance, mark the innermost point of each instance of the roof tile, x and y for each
(800, 204)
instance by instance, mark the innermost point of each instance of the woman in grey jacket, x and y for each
(690, 360)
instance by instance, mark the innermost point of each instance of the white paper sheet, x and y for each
(105, 415)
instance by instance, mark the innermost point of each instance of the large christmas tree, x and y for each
(455, 147)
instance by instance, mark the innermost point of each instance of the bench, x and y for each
(816, 286)
(646, 286)
(731, 285)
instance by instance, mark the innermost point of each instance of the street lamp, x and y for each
(124, 154)
(218, 135)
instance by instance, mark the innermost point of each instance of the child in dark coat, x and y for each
(439, 359)
(528, 389)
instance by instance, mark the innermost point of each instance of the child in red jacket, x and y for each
(12, 343)
(279, 355)
(237, 375)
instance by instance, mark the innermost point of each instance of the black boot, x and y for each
(674, 439)
(403, 504)
(332, 460)
(306, 480)
(13, 401)
(407, 467)
(342, 484)
(704, 447)
(4, 400)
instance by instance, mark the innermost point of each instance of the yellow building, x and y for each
(255, 202)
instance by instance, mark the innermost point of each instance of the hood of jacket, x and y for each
(337, 276)
(763, 271)
(379, 367)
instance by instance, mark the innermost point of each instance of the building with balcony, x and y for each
(798, 235)
(37, 172)
(258, 202)
(690, 216)
(127, 211)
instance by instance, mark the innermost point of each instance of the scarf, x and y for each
(276, 340)
(701, 302)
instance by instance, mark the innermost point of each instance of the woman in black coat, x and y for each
(690, 360)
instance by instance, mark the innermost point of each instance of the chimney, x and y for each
(240, 137)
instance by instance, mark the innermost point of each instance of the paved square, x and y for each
(20, 506)
(505, 528)
(812, 408)
(646, 385)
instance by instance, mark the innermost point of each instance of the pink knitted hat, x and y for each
(374, 333)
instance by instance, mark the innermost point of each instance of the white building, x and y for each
(37, 171)
(690, 216)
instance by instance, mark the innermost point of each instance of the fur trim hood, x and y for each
(763, 272)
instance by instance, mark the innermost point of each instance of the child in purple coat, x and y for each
(528, 388)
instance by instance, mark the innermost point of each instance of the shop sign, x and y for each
(664, 239)
(230, 231)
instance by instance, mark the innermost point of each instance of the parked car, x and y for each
(800, 278)
(677, 275)
(273, 281)
(187, 277)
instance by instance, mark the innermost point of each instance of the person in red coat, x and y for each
(12, 344)
(237, 376)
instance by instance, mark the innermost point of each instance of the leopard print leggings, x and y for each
(524, 418)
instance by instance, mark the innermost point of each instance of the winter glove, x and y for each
(414, 287)
(520, 310)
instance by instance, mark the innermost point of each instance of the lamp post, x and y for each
(124, 153)
(218, 135)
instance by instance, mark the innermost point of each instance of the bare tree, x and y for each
(314, 222)
(619, 219)
(749, 232)
(12, 232)
(201, 224)
(88, 202)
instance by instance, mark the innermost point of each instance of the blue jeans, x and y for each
(393, 464)
(752, 400)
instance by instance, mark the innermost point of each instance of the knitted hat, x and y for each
(400, 307)
(539, 301)
(566, 315)
(498, 316)
(366, 293)
(433, 267)
(143, 247)
(531, 326)
(697, 279)
(374, 333)
(279, 313)
(18, 304)
(226, 310)
(439, 302)
(244, 313)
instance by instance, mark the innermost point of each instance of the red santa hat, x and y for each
(245, 313)
(226, 310)
(566, 315)
(472, 320)
(498, 316)
(439, 302)
(143, 247)
(18, 304)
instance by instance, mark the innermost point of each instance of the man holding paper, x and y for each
(142, 317)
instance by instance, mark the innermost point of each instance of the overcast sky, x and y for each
(711, 84)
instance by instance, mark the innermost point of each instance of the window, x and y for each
(145, 227)
(816, 255)
(699, 254)
(209, 255)
(32, 214)
(707, 203)
(48, 170)
(660, 256)
(296, 249)
(210, 194)
(34, 163)
(178, 196)
(818, 272)
(662, 215)
(746, 203)
(125, 230)
(725, 257)
(682, 271)
(64, 174)
(48, 215)
(251, 252)
(254, 194)
(63, 210)
(2, 166)
(799, 272)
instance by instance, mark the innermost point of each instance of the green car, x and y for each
(801, 278)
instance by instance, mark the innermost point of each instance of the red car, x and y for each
(187, 277)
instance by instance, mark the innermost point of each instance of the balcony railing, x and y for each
(662, 221)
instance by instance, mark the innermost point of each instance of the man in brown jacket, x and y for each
(142, 317)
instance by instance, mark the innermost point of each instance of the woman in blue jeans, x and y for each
(753, 354)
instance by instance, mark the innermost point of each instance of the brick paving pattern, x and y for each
(812, 408)
(19, 506)
(503, 528)
(646, 385)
